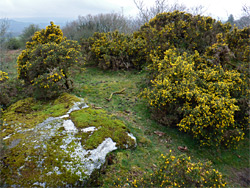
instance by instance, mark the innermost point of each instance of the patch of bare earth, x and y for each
(241, 176)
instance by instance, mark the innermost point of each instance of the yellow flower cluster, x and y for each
(238, 41)
(3, 76)
(181, 30)
(202, 94)
(116, 50)
(45, 62)
(52, 33)
(47, 81)
(179, 171)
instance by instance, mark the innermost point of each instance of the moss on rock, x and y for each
(106, 127)
(31, 112)
(41, 146)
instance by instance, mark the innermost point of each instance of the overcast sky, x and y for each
(73, 8)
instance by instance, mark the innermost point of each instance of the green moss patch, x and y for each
(106, 127)
(31, 112)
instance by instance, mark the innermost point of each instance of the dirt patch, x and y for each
(241, 176)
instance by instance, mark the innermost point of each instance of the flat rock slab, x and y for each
(61, 150)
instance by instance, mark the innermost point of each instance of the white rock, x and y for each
(89, 129)
(69, 126)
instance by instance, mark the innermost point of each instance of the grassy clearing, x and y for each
(95, 85)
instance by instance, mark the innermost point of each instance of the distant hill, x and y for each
(17, 25)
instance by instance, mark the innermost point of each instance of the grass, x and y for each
(96, 85)
(9, 62)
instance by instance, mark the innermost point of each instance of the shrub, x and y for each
(45, 62)
(181, 30)
(238, 41)
(28, 33)
(219, 53)
(52, 33)
(12, 90)
(225, 54)
(180, 171)
(114, 50)
(13, 44)
(200, 97)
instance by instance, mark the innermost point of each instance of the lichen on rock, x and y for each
(58, 143)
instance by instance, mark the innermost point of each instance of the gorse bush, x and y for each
(238, 41)
(198, 77)
(198, 96)
(52, 33)
(219, 53)
(114, 50)
(179, 171)
(45, 62)
(184, 31)
(181, 30)
(49, 64)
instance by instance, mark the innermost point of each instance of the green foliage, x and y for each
(28, 33)
(173, 29)
(11, 91)
(219, 53)
(180, 171)
(45, 62)
(182, 30)
(114, 50)
(201, 98)
(238, 41)
(13, 44)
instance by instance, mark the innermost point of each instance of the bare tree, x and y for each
(85, 26)
(246, 10)
(160, 6)
(244, 20)
(197, 10)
